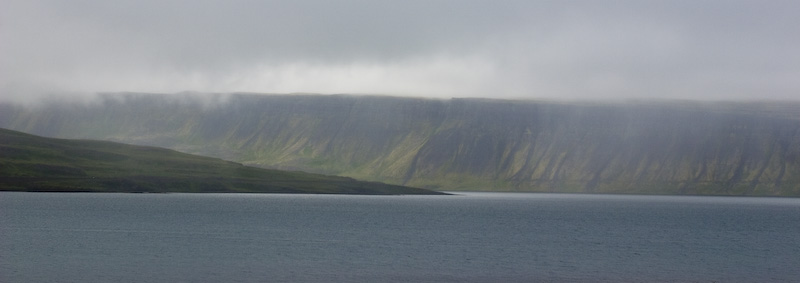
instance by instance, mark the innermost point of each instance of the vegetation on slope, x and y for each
(32, 163)
(672, 147)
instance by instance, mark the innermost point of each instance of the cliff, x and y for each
(668, 147)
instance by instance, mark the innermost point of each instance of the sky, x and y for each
(590, 50)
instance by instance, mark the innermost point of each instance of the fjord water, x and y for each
(470, 237)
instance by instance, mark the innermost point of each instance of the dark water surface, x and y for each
(474, 237)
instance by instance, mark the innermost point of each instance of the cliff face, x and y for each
(477, 144)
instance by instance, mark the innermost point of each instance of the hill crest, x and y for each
(679, 147)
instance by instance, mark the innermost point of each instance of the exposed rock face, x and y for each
(477, 144)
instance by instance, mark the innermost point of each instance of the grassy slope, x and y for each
(33, 163)
(668, 147)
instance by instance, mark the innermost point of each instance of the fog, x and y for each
(595, 50)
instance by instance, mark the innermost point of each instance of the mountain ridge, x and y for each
(682, 147)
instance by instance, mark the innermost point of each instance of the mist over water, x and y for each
(56, 57)
(472, 237)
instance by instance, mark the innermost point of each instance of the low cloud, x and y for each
(530, 49)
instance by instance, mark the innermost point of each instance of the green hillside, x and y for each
(32, 163)
(645, 147)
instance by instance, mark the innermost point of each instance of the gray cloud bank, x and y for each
(466, 48)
